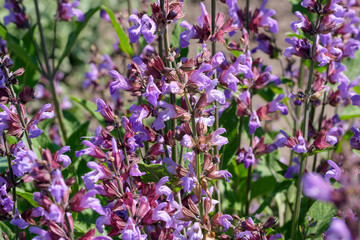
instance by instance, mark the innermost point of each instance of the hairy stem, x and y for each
(305, 130)
(13, 181)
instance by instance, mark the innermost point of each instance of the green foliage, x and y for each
(230, 122)
(350, 112)
(352, 67)
(91, 108)
(321, 213)
(155, 172)
(124, 42)
(27, 196)
(79, 26)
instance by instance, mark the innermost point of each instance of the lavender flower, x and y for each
(254, 122)
(6, 204)
(316, 187)
(67, 11)
(18, 220)
(338, 230)
(58, 188)
(152, 92)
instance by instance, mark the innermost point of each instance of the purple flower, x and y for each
(214, 94)
(217, 140)
(187, 34)
(300, 147)
(93, 177)
(18, 221)
(131, 231)
(105, 110)
(68, 10)
(90, 201)
(224, 221)
(304, 23)
(199, 78)
(355, 100)
(91, 76)
(334, 173)
(152, 92)
(41, 234)
(292, 170)
(135, 172)
(148, 28)
(34, 131)
(189, 181)
(321, 55)
(54, 214)
(355, 139)
(103, 220)
(162, 189)
(119, 82)
(6, 203)
(145, 26)
(338, 230)
(204, 13)
(16, 15)
(25, 160)
(165, 115)
(247, 158)
(159, 215)
(254, 122)
(58, 188)
(187, 141)
(275, 105)
(63, 158)
(137, 116)
(135, 29)
(195, 232)
(299, 47)
(92, 150)
(316, 187)
(265, 20)
(243, 64)
(46, 112)
(223, 174)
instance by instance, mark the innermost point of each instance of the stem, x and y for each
(298, 108)
(42, 37)
(50, 74)
(54, 41)
(321, 119)
(37, 53)
(13, 181)
(18, 108)
(58, 109)
(305, 130)
(68, 227)
(248, 186)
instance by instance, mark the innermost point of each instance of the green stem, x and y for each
(13, 181)
(50, 74)
(305, 130)
(321, 119)
(248, 186)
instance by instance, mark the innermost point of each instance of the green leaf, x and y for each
(175, 36)
(124, 42)
(6, 229)
(322, 213)
(75, 138)
(27, 196)
(91, 108)
(352, 68)
(154, 173)
(230, 122)
(44, 142)
(79, 26)
(350, 112)
(279, 187)
(16, 49)
(319, 151)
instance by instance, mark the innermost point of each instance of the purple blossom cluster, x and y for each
(186, 145)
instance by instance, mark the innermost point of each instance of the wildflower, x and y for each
(67, 10)
(18, 220)
(316, 187)
(58, 188)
